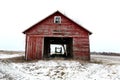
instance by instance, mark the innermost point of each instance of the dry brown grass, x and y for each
(11, 52)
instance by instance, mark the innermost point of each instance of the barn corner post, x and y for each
(89, 47)
(25, 47)
(72, 39)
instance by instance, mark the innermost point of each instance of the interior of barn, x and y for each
(56, 47)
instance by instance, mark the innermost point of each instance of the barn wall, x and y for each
(81, 48)
(34, 47)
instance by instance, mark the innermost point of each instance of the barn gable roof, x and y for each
(62, 15)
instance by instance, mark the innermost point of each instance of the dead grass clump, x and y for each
(16, 59)
(11, 52)
(96, 61)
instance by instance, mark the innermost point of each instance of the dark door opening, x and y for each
(58, 47)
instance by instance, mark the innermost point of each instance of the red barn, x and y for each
(57, 36)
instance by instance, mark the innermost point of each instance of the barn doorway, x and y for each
(58, 47)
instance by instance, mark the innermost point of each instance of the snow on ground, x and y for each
(56, 70)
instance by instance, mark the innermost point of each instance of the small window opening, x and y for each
(57, 19)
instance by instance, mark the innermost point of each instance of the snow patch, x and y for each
(57, 70)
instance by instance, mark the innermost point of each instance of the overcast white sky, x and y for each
(101, 17)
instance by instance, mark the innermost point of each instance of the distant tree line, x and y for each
(106, 53)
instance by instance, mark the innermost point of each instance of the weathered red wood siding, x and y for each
(34, 47)
(81, 48)
(47, 28)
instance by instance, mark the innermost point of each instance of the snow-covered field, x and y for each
(13, 67)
